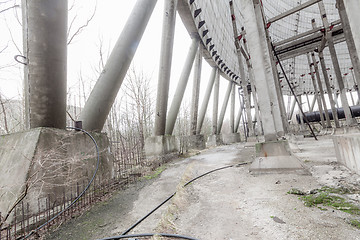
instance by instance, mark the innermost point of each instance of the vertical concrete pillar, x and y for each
(232, 110)
(196, 91)
(293, 104)
(278, 106)
(253, 88)
(328, 89)
(350, 39)
(321, 90)
(180, 89)
(167, 42)
(102, 97)
(316, 91)
(224, 106)
(262, 67)
(313, 103)
(216, 102)
(308, 102)
(350, 121)
(273, 93)
(205, 102)
(45, 50)
(238, 116)
(352, 8)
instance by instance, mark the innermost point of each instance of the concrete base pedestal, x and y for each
(231, 138)
(47, 162)
(347, 149)
(214, 140)
(161, 145)
(196, 142)
(275, 157)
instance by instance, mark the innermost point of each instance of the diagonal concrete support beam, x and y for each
(103, 95)
(180, 89)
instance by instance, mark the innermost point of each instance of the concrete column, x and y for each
(313, 103)
(103, 95)
(352, 8)
(322, 95)
(216, 102)
(316, 94)
(45, 50)
(167, 42)
(274, 98)
(293, 104)
(238, 116)
(205, 102)
(196, 91)
(232, 110)
(329, 90)
(308, 102)
(350, 39)
(350, 121)
(252, 83)
(180, 89)
(262, 68)
(224, 106)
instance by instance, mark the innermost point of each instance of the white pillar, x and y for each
(167, 42)
(180, 89)
(103, 95)
(262, 67)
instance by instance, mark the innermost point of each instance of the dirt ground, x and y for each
(229, 204)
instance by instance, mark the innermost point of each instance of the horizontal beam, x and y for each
(304, 34)
(294, 10)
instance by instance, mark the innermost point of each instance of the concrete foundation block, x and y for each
(46, 162)
(231, 138)
(214, 140)
(347, 149)
(276, 148)
(277, 164)
(275, 157)
(196, 142)
(161, 145)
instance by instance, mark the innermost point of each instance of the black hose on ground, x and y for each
(150, 235)
(81, 194)
(171, 196)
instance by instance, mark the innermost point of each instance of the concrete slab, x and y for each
(46, 162)
(231, 138)
(277, 164)
(196, 142)
(214, 140)
(161, 145)
(347, 149)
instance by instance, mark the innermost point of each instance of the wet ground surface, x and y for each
(227, 204)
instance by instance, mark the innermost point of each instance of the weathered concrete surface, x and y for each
(214, 140)
(275, 157)
(347, 148)
(48, 162)
(231, 203)
(161, 145)
(196, 142)
(231, 138)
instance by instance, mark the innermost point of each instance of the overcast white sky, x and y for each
(83, 53)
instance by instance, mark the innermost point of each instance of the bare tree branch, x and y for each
(6, 9)
(81, 28)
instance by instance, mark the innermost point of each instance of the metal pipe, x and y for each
(340, 113)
